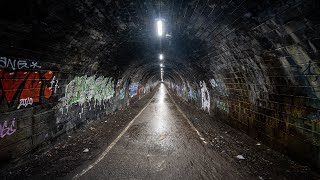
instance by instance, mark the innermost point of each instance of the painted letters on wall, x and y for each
(205, 96)
(219, 86)
(28, 86)
(133, 89)
(17, 64)
(123, 91)
(84, 89)
(8, 128)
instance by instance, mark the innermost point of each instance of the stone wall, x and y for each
(38, 102)
(261, 75)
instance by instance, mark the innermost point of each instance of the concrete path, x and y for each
(160, 144)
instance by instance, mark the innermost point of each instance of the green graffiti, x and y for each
(84, 89)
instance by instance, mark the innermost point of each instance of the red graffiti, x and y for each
(6, 129)
(11, 82)
(28, 83)
(32, 87)
(47, 90)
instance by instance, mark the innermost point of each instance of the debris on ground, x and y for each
(240, 157)
(85, 150)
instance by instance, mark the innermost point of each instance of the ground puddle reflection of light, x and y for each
(162, 93)
(160, 122)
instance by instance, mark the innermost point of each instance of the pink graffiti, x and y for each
(6, 130)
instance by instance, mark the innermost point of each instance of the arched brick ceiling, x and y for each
(103, 36)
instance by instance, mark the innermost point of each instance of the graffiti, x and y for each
(30, 85)
(7, 129)
(25, 102)
(205, 96)
(14, 64)
(222, 105)
(54, 83)
(133, 89)
(179, 90)
(84, 89)
(307, 71)
(123, 91)
(219, 86)
(141, 90)
(191, 93)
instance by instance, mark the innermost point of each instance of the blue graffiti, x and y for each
(133, 89)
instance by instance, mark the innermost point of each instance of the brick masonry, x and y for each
(253, 63)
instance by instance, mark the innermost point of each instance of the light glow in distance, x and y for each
(160, 27)
(161, 56)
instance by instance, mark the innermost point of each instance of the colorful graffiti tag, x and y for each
(29, 86)
(219, 86)
(141, 90)
(84, 89)
(222, 105)
(133, 89)
(123, 91)
(7, 128)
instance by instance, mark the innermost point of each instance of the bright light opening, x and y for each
(161, 69)
(161, 65)
(160, 26)
(161, 56)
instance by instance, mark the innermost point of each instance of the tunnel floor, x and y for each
(168, 139)
(161, 145)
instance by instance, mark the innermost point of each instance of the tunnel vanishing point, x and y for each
(160, 89)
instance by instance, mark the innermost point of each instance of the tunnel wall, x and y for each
(261, 76)
(38, 103)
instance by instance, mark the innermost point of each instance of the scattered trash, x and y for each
(85, 150)
(260, 177)
(240, 157)
(105, 121)
(69, 136)
(258, 144)
(92, 128)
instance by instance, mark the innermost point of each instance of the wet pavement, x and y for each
(161, 144)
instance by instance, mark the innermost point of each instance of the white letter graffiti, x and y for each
(205, 97)
(17, 64)
(34, 65)
(54, 81)
(25, 102)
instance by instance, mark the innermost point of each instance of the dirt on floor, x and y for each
(238, 148)
(68, 152)
(73, 149)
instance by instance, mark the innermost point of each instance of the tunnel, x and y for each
(159, 89)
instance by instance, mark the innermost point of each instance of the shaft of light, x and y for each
(160, 26)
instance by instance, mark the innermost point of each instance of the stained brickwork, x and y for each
(254, 64)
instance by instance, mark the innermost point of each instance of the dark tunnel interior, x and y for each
(252, 64)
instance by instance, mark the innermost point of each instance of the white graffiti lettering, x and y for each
(17, 64)
(54, 82)
(6, 129)
(34, 65)
(205, 97)
(25, 102)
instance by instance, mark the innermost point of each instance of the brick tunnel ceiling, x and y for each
(111, 37)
